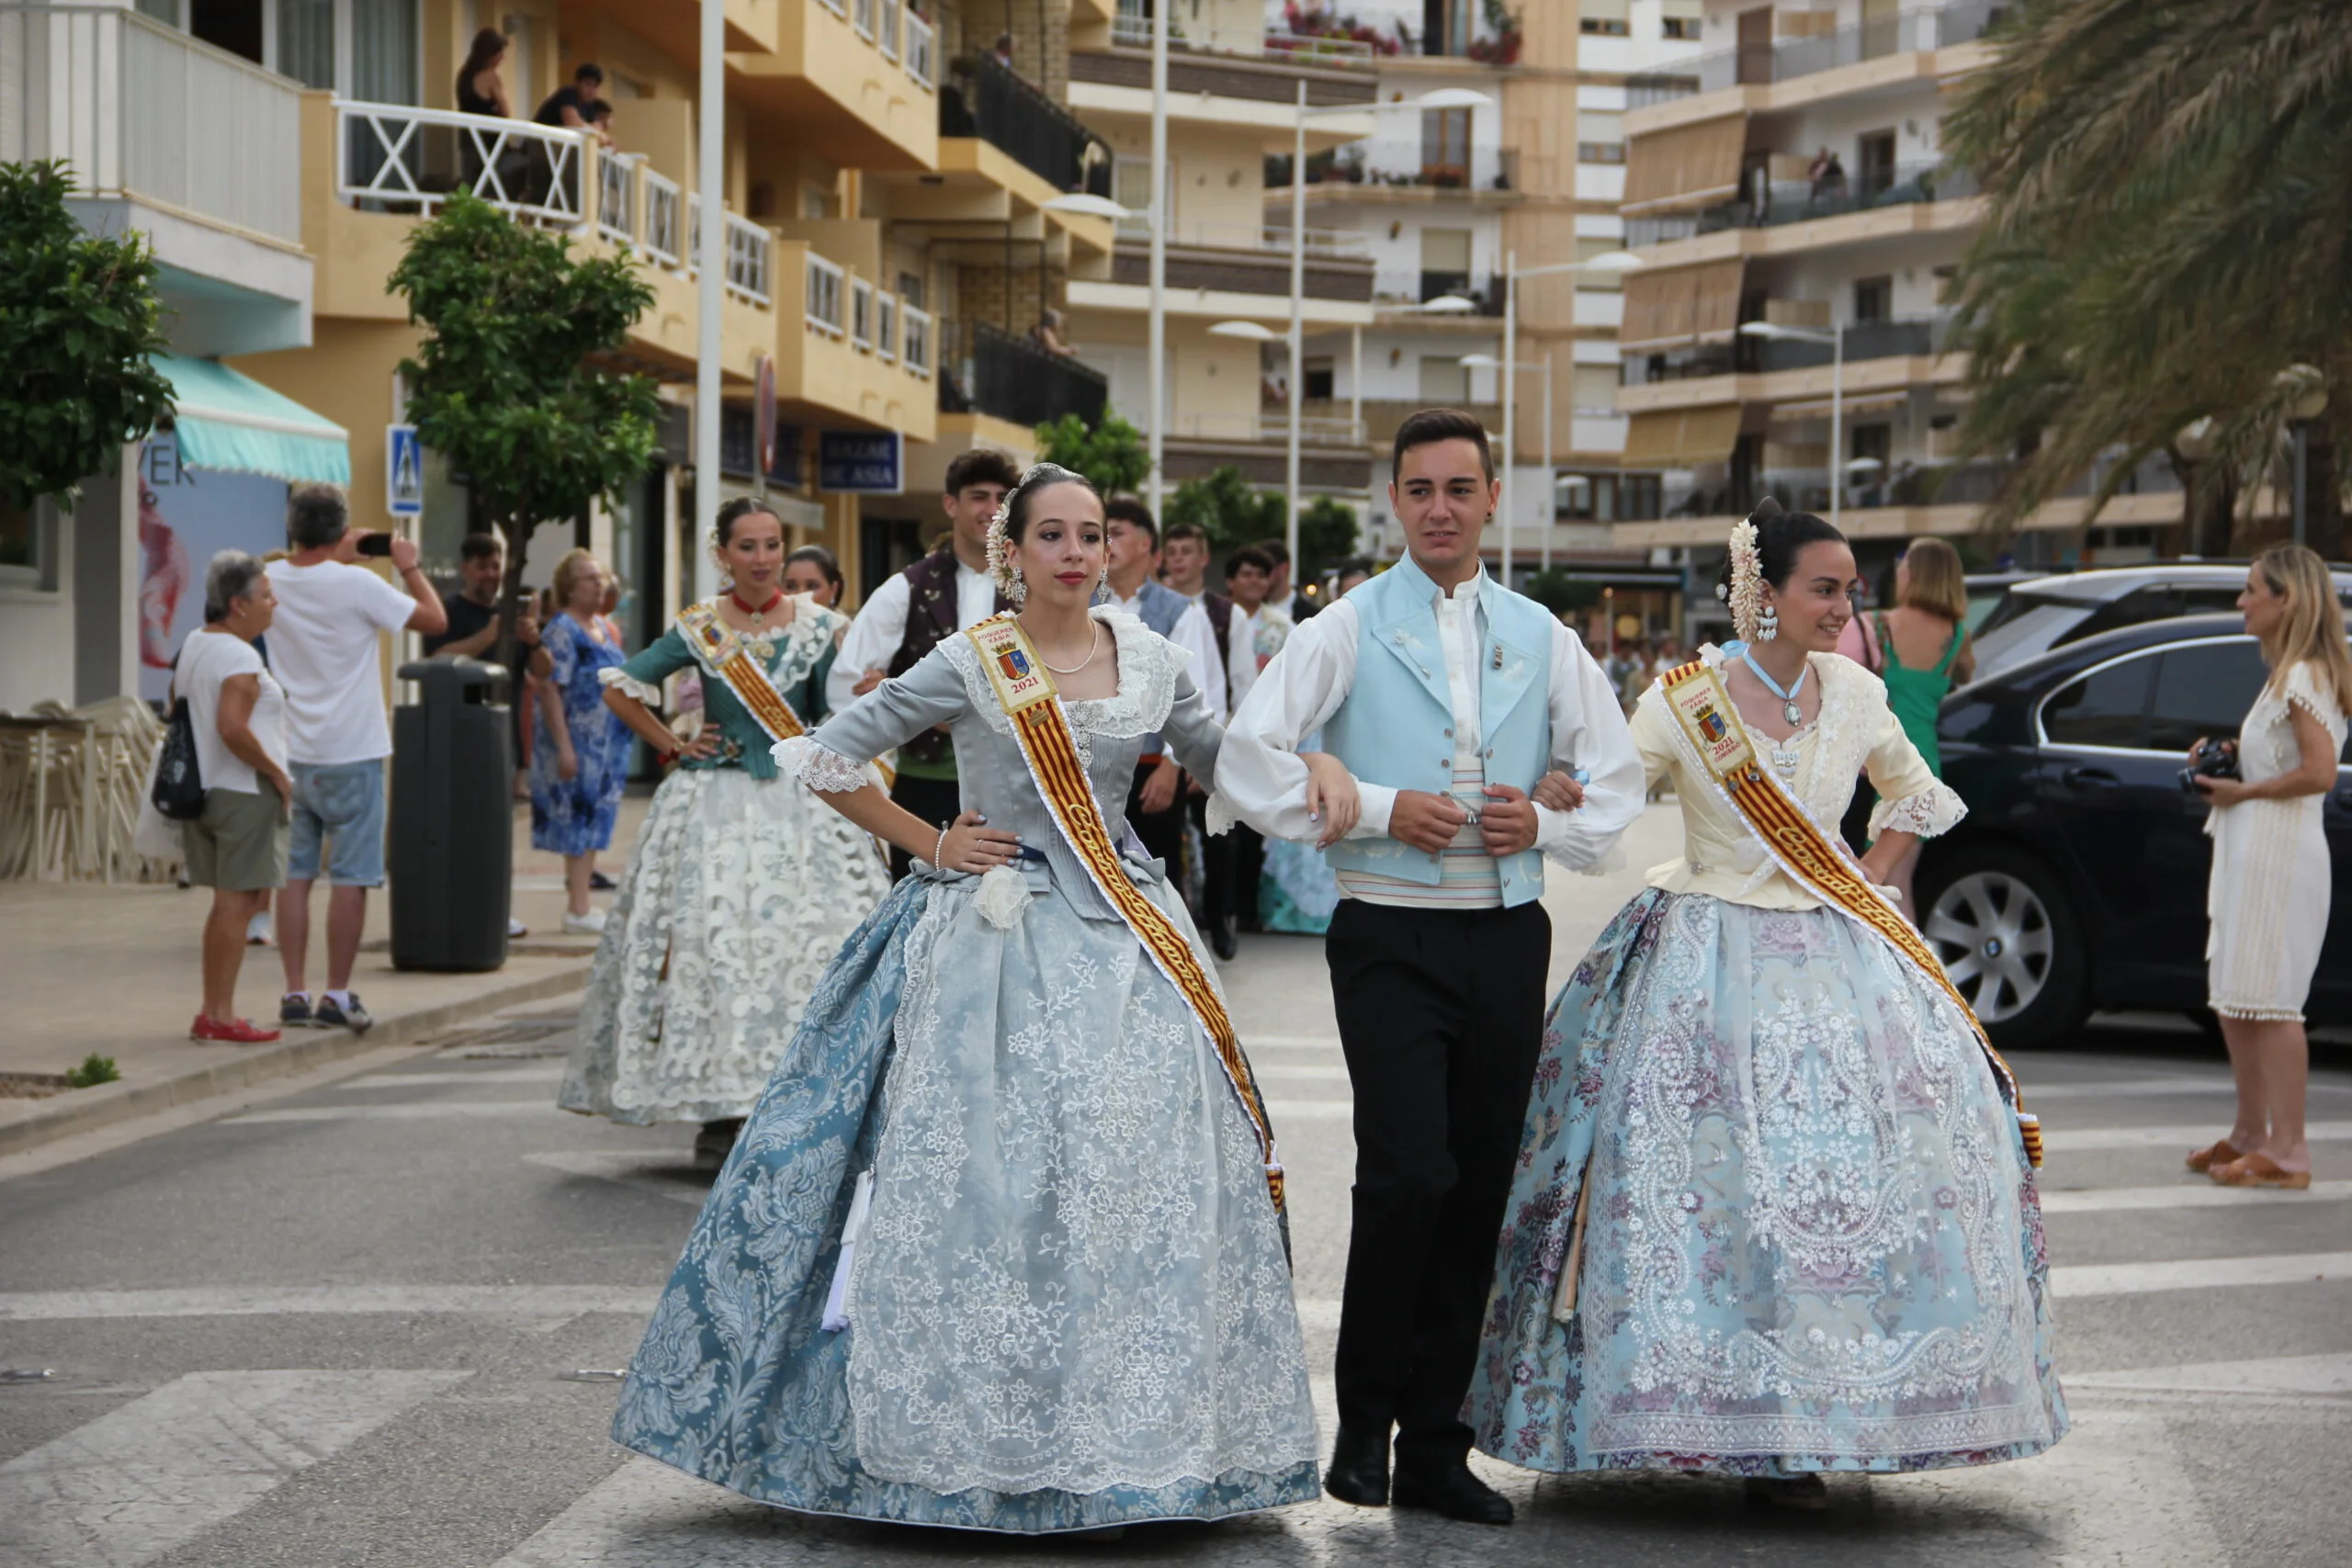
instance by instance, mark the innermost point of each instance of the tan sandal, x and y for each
(2220, 1152)
(2261, 1170)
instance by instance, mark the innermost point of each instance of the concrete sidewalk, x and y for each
(115, 972)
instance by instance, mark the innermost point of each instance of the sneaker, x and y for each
(599, 882)
(294, 1012)
(257, 930)
(229, 1031)
(516, 930)
(333, 1015)
(589, 924)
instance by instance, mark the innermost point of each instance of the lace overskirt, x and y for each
(1069, 1307)
(740, 894)
(1812, 1241)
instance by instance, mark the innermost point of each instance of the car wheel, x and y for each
(2009, 939)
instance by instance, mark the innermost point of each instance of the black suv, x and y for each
(2078, 879)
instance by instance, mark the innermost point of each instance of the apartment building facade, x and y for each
(1792, 200)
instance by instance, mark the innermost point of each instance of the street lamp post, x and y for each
(710, 298)
(1835, 338)
(1608, 261)
(1156, 319)
(1488, 362)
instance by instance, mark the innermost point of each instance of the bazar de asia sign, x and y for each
(861, 462)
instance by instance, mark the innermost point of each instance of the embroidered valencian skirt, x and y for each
(1812, 1241)
(1067, 1304)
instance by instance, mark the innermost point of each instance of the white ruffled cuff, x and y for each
(1932, 812)
(819, 767)
(1220, 817)
(630, 686)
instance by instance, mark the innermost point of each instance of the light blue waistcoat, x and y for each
(1160, 607)
(1396, 727)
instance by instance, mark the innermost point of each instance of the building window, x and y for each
(29, 545)
(1445, 147)
(1445, 380)
(1684, 28)
(1604, 27)
(1319, 380)
(1601, 151)
(1874, 298)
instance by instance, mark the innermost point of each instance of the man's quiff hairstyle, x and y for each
(981, 466)
(1134, 514)
(1432, 426)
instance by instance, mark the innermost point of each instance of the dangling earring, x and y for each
(1769, 626)
(1017, 590)
(1102, 584)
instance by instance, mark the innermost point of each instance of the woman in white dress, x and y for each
(743, 887)
(2269, 896)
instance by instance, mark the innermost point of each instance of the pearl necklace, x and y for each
(1093, 648)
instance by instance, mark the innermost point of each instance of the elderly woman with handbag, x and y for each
(237, 846)
(2268, 897)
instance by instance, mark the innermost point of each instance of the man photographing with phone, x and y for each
(325, 648)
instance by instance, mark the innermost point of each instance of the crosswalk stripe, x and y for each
(150, 1475)
(1290, 1043)
(2063, 1140)
(1311, 1110)
(2276, 1374)
(1301, 1072)
(2078, 1279)
(247, 1300)
(423, 1110)
(551, 1073)
(2189, 1193)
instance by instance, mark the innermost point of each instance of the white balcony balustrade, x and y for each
(823, 305)
(921, 53)
(139, 110)
(916, 353)
(399, 158)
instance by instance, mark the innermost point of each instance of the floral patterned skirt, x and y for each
(1812, 1241)
(1069, 1306)
(740, 894)
(1296, 892)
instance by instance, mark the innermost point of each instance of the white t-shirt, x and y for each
(323, 645)
(208, 660)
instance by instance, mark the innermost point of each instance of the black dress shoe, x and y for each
(1222, 942)
(1358, 1471)
(1454, 1492)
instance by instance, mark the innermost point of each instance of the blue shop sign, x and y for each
(861, 462)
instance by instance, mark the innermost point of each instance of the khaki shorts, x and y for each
(239, 844)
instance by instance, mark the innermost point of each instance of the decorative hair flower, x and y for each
(1001, 567)
(1746, 596)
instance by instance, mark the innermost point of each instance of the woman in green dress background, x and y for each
(1924, 652)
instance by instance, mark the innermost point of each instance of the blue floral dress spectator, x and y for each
(575, 815)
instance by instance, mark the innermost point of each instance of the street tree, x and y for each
(2168, 248)
(78, 319)
(1110, 453)
(507, 385)
(1232, 511)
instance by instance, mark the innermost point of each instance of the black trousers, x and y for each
(1162, 832)
(936, 801)
(1441, 1016)
(1218, 901)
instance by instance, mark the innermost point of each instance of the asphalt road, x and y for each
(348, 1324)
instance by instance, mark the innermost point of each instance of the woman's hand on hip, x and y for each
(970, 846)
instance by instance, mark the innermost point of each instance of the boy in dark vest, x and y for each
(913, 613)
(1156, 804)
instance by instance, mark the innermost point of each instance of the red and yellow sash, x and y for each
(1021, 684)
(723, 653)
(1695, 695)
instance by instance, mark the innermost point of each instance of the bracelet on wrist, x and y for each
(940, 849)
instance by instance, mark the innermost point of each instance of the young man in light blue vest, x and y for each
(1448, 696)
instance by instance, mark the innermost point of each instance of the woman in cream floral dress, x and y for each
(743, 887)
(1812, 1241)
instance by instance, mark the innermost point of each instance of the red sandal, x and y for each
(2220, 1152)
(2261, 1170)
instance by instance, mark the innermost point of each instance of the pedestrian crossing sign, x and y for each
(404, 472)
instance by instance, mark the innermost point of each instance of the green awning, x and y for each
(231, 423)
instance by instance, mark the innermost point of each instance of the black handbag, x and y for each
(178, 789)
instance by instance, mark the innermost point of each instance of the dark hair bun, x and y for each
(1766, 510)
(1780, 536)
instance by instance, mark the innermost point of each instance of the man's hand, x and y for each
(526, 628)
(867, 681)
(404, 553)
(1428, 822)
(1159, 790)
(1557, 791)
(1332, 798)
(1507, 822)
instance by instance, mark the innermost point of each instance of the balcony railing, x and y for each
(749, 252)
(1414, 286)
(920, 53)
(822, 306)
(1130, 29)
(1402, 162)
(395, 157)
(993, 372)
(998, 105)
(616, 179)
(892, 11)
(1908, 336)
(134, 107)
(1322, 244)
(1270, 424)
(1786, 59)
(1770, 205)
(916, 351)
(663, 201)
(861, 313)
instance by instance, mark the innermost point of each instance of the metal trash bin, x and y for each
(450, 847)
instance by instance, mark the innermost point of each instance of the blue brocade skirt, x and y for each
(1812, 1241)
(1069, 1306)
